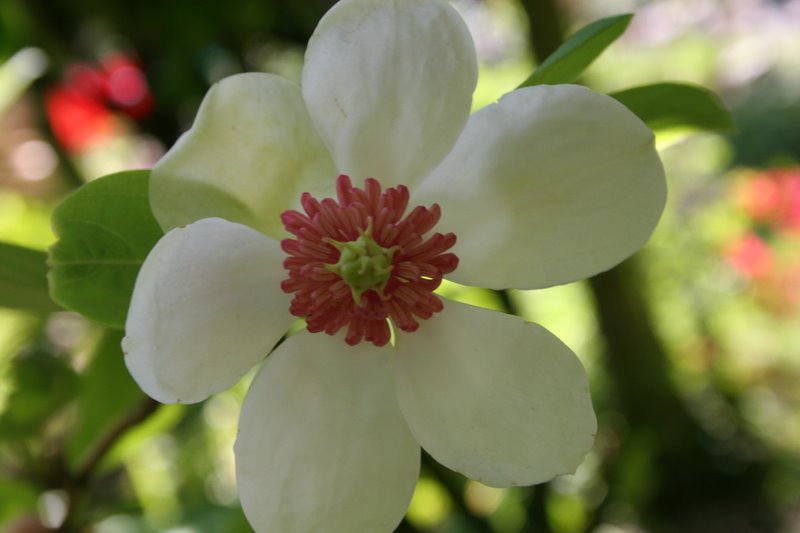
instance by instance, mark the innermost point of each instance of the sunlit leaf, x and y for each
(107, 395)
(677, 105)
(23, 279)
(579, 51)
(105, 230)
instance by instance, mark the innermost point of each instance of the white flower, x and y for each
(550, 185)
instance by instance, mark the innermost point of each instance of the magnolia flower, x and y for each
(549, 185)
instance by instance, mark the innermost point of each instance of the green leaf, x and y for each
(17, 497)
(107, 395)
(23, 279)
(105, 230)
(677, 105)
(42, 383)
(579, 51)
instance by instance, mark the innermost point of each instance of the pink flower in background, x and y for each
(773, 197)
(81, 108)
(126, 87)
(770, 259)
(750, 256)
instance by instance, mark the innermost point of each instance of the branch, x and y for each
(142, 412)
(80, 480)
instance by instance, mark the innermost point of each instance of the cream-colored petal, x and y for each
(248, 157)
(550, 185)
(389, 85)
(206, 307)
(322, 445)
(500, 400)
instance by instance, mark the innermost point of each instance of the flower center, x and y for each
(363, 264)
(357, 262)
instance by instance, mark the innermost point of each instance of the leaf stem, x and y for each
(142, 412)
(80, 480)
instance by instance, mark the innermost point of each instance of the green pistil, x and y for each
(363, 264)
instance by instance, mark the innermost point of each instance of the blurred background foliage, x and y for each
(692, 346)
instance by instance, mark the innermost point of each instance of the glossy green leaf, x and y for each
(107, 395)
(579, 51)
(23, 279)
(677, 105)
(105, 230)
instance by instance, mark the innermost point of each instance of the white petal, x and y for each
(206, 307)
(493, 397)
(249, 155)
(550, 185)
(322, 445)
(389, 85)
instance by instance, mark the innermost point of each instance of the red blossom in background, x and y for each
(126, 86)
(773, 198)
(750, 256)
(770, 259)
(81, 108)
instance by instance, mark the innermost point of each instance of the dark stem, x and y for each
(507, 302)
(454, 486)
(544, 25)
(545, 31)
(81, 479)
(143, 411)
(536, 511)
(406, 527)
(691, 477)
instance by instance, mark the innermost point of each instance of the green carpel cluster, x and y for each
(363, 264)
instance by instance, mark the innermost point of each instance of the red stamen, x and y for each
(418, 264)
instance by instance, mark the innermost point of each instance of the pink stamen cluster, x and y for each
(325, 300)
